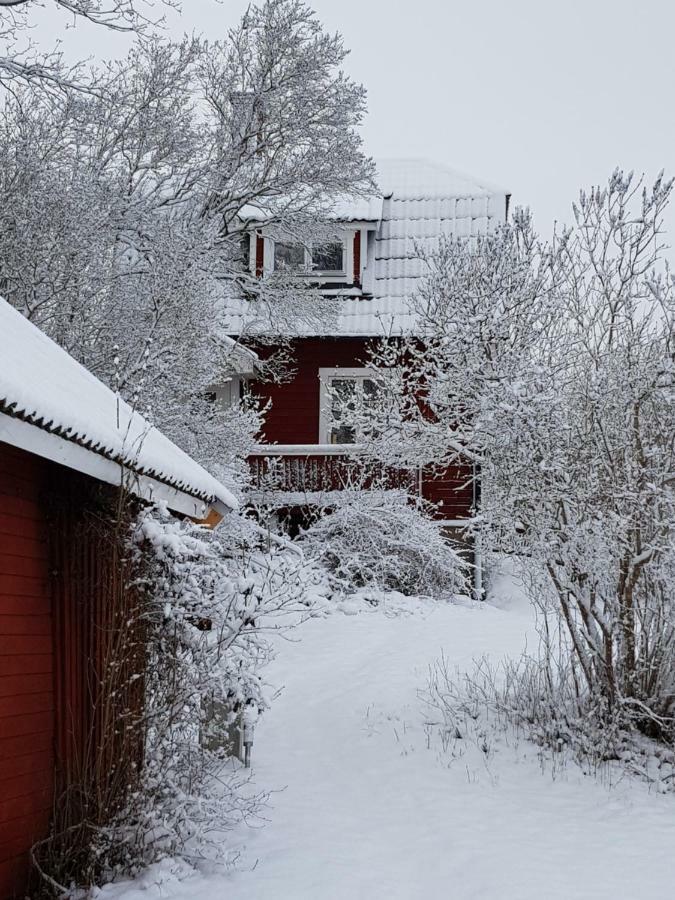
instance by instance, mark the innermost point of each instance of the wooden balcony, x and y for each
(319, 468)
(299, 474)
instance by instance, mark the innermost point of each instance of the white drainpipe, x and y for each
(477, 542)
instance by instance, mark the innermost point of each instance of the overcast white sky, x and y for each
(538, 96)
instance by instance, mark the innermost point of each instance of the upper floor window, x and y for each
(289, 256)
(326, 258)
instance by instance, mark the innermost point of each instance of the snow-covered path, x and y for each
(369, 810)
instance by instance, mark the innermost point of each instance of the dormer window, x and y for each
(327, 258)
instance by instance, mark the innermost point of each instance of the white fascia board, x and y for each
(243, 358)
(362, 224)
(273, 450)
(66, 453)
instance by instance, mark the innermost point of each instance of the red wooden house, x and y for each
(373, 267)
(67, 445)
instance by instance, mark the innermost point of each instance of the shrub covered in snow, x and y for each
(533, 697)
(186, 669)
(377, 538)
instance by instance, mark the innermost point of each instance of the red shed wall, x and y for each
(26, 666)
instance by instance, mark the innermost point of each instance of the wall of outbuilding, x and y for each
(64, 608)
(27, 697)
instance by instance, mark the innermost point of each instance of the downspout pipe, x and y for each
(478, 590)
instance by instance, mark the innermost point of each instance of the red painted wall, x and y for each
(451, 490)
(293, 417)
(26, 667)
(294, 414)
(60, 603)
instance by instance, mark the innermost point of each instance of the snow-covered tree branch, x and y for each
(552, 367)
(123, 210)
(21, 62)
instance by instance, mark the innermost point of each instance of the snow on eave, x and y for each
(344, 208)
(244, 360)
(41, 385)
(398, 179)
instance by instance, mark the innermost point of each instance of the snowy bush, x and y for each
(204, 613)
(532, 697)
(377, 538)
(183, 668)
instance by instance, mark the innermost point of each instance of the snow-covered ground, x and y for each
(366, 805)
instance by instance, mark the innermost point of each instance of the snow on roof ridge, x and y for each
(38, 383)
(452, 182)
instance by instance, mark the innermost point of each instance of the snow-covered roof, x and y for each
(422, 202)
(423, 179)
(357, 209)
(419, 203)
(44, 391)
(345, 208)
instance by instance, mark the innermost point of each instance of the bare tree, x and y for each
(601, 513)
(552, 368)
(481, 314)
(22, 62)
(122, 211)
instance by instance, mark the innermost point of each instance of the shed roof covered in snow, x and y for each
(54, 407)
(419, 203)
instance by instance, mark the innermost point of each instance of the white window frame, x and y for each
(325, 400)
(346, 274)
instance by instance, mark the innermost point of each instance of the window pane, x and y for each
(328, 257)
(370, 391)
(343, 404)
(343, 396)
(288, 256)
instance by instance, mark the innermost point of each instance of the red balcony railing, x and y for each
(309, 468)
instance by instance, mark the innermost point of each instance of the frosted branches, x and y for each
(22, 62)
(122, 210)
(552, 366)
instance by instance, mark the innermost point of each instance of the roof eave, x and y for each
(33, 439)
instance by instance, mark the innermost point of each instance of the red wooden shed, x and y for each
(67, 445)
